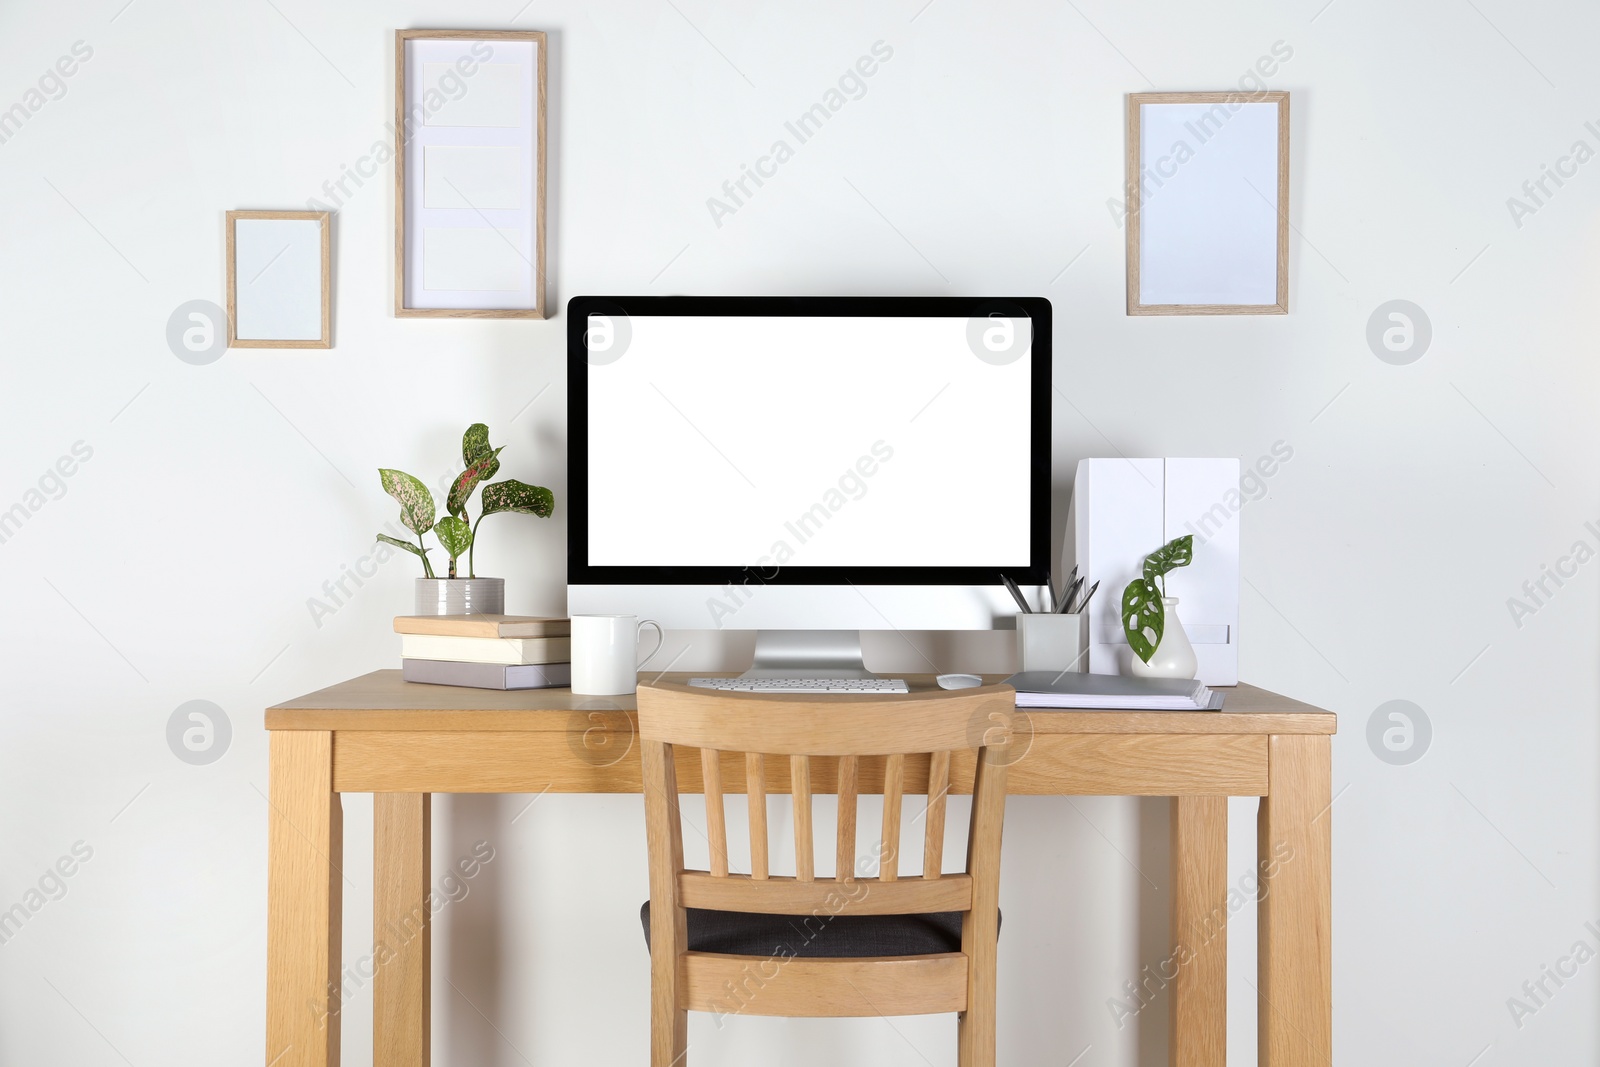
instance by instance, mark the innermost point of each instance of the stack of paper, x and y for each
(1105, 692)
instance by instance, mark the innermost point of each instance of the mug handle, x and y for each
(661, 639)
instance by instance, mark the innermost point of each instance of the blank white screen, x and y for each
(807, 441)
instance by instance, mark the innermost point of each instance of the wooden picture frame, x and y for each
(1213, 246)
(472, 232)
(289, 303)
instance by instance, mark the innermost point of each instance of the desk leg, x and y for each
(1200, 931)
(401, 850)
(305, 848)
(1295, 959)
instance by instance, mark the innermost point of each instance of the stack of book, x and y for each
(486, 651)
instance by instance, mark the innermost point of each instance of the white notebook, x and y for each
(1111, 692)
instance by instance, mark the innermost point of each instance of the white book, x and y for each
(507, 650)
(1110, 692)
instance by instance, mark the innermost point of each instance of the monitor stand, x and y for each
(808, 654)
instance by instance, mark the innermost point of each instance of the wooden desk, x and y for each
(377, 734)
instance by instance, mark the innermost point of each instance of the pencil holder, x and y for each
(1049, 642)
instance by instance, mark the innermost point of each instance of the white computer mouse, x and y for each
(959, 681)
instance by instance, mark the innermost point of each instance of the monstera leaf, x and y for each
(416, 503)
(1143, 617)
(454, 534)
(512, 495)
(420, 553)
(477, 470)
(1178, 552)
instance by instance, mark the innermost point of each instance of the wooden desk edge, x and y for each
(382, 701)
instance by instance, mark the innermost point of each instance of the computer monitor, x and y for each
(795, 464)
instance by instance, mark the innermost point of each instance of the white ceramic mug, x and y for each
(605, 653)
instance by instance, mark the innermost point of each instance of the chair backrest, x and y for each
(810, 744)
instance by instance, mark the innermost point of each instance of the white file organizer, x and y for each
(1124, 509)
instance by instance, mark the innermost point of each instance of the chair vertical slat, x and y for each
(755, 786)
(894, 780)
(845, 854)
(716, 816)
(933, 832)
(800, 788)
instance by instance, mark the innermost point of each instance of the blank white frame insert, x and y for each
(480, 260)
(474, 176)
(493, 97)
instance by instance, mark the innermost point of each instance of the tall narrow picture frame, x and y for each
(279, 279)
(469, 174)
(1208, 203)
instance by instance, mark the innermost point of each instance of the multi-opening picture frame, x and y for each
(469, 173)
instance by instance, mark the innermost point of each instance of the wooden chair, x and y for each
(852, 945)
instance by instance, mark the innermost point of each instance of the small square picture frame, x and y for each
(469, 174)
(286, 301)
(1208, 226)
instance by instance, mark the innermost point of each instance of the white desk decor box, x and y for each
(1121, 509)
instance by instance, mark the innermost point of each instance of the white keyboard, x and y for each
(803, 685)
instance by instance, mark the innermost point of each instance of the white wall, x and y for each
(178, 563)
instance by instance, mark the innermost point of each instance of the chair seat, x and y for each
(740, 933)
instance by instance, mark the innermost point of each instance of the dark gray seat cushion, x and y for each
(738, 933)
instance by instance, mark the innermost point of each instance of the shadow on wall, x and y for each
(475, 973)
(1155, 924)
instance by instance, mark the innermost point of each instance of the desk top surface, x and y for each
(382, 701)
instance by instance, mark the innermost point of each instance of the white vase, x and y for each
(1174, 656)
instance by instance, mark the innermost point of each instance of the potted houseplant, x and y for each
(457, 534)
(1150, 618)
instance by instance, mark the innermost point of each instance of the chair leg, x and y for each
(975, 1027)
(669, 1024)
(669, 1035)
(668, 1039)
(975, 1034)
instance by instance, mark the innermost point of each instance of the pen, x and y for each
(1016, 594)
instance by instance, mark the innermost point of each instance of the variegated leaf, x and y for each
(416, 503)
(512, 495)
(1143, 617)
(407, 545)
(427, 568)
(474, 444)
(484, 467)
(454, 534)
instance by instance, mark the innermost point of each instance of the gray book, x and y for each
(487, 675)
(1111, 692)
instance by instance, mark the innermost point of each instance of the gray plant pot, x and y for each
(461, 596)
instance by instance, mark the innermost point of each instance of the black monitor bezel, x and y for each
(581, 572)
